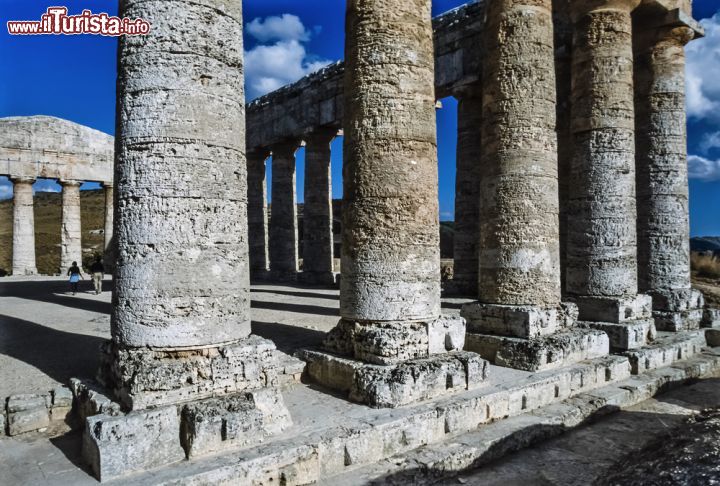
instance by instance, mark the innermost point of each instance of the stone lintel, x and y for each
(630, 335)
(675, 17)
(543, 353)
(143, 378)
(393, 342)
(523, 321)
(400, 384)
(614, 310)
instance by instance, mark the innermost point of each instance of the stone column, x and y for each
(519, 313)
(182, 362)
(257, 213)
(662, 177)
(70, 231)
(283, 213)
(467, 192)
(390, 285)
(318, 217)
(23, 256)
(109, 255)
(602, 236)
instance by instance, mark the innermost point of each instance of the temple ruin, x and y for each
(571, 238)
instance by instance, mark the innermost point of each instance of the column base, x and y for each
(678, 310)
(544, 353)
(318, 278)
(399, 384)
(143, 378)
(628, 335)
(522, 321)
(614, 310)
(116, 444)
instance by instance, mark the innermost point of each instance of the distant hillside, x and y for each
(705, 243)
(47, 229)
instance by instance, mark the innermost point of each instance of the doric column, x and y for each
(283, 212)
(390, 285)
(662, 176)
(257, 212)
(23, 251)
(181, 348)
(602, 236)
(317, 213)
(467, 192)
(109, 255)
(519, 285)
(70, 231)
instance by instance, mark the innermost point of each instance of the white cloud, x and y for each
(271, 66)
(709, 142)
(703, 169)
(703, 71)
(284, 28)
(46, 185)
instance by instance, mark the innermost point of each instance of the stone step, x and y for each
(668, 348)
(427, 464)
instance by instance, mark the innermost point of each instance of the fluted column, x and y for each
(467, 192)
(70, 231)
(109, 255)
(257, 212)
(602, 236)
(23, 251)
(283, 212)
(317, 213)
(662, 177)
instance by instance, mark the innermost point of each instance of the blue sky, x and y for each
(73, 77)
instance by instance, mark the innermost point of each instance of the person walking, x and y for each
(98, 272)
(75, 275)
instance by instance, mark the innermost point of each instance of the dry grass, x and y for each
(705, 266)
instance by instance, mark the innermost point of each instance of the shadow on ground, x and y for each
(288, 339)
(58, 292)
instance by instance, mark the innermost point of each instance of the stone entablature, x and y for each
(53, 148)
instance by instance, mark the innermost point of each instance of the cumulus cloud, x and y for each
(271, 66)
(703, 169)
(703, 71)
(709, 142)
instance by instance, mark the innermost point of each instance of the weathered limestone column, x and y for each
(70, 231)
(182, 362)
(317, 218)
(283, 212)
(23, 259)
(519, 312)
(662, 177)
(467, 192)
(602, 236)
(109, 255)
(390, 285)
(257, 213)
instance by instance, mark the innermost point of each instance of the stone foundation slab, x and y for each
(518, 321)
(676, 321)
(615, 310)
(677, 300)
(629, 335)
(545, 353)
(396, 385)
(667, 349)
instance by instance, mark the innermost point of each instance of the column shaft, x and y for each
(109, 256)
(317, 216)
(257, 213)
(23, 256)
(467, 192)
(519, 235)
(71, 231)
(182, 272)
(662, 175)
(283, 212)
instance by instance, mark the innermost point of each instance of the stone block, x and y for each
(675, 321)
(667, 349)
(446, 334)
(115, 446)
(615, 310)
(517, 321)
(628, 335)
(90, 399)
(62, 400)
(396, 385)
(711, 318)
(27, 413)
(549, 352)
(677, 300)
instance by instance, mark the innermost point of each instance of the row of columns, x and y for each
(273, 240)
(23, 255)
(619, 98)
